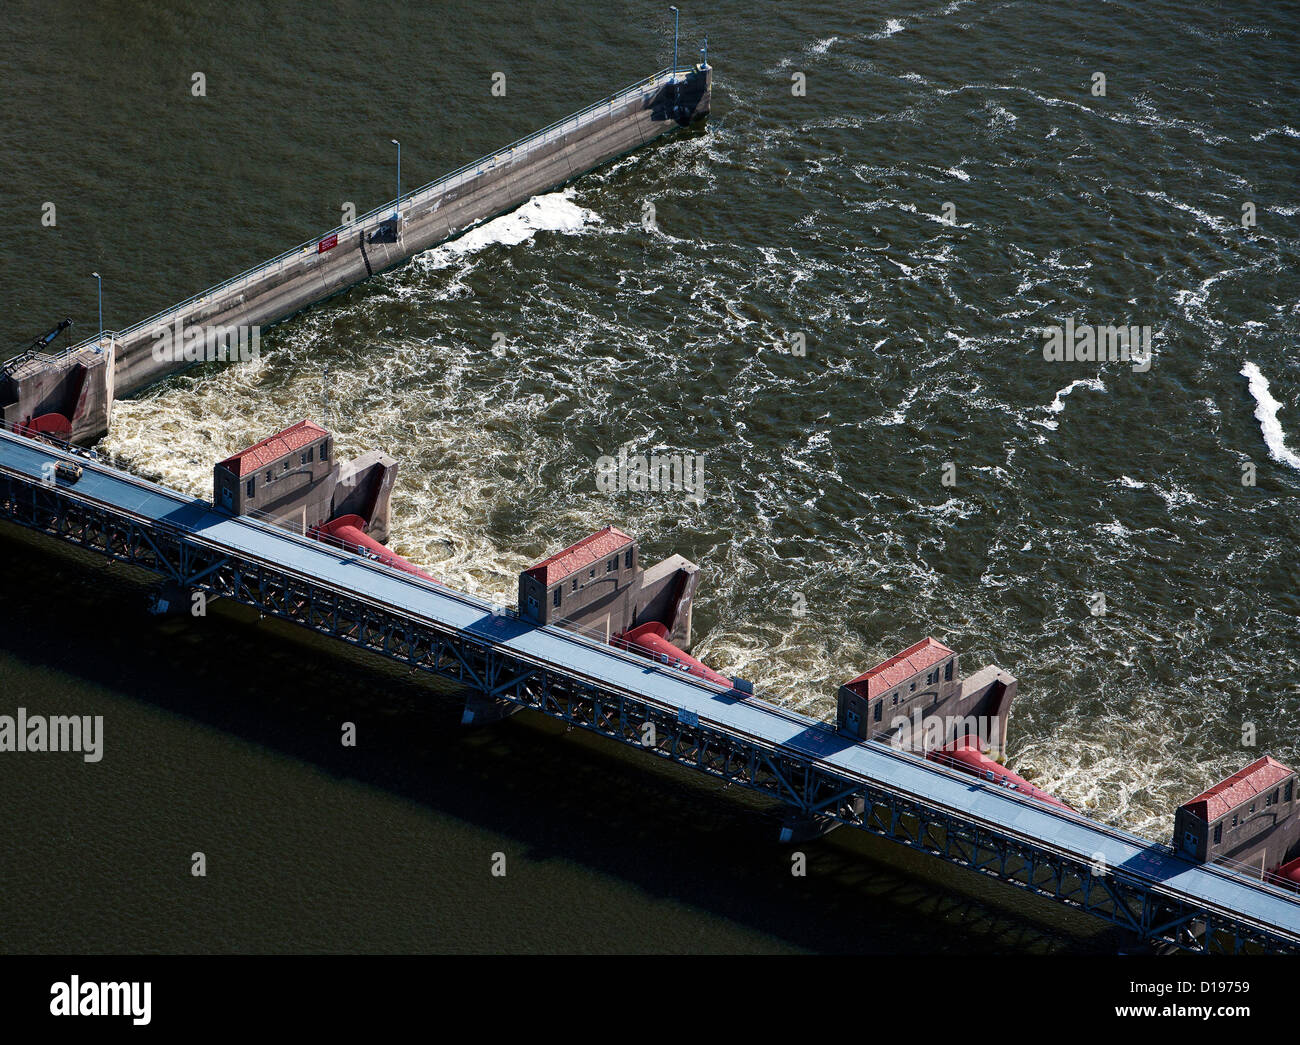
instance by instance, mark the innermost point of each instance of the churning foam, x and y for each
(1058, 404)
(1266, 408)
(552, 212)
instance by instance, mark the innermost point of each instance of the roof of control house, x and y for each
(1241, 787)
(272, 448)
(584, 553)
(899, 668)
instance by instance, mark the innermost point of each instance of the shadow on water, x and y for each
(555, 794)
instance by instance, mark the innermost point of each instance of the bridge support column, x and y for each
(482, 711)
(171, 599)
(803, 827)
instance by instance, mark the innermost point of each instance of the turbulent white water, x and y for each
(552, 212)
(499, 367)
(1266, 411)
(892, 26)
(1058, 403)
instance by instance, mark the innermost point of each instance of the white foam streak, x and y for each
(890, 27)
(553, 212)
(1058, 404)
(1266, 409)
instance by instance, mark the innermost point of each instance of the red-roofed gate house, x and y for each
(1249, 818)
(597, 586)
(280, 477)
(923, 687)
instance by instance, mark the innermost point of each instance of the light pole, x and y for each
(677, 17)
(704, 54)
(397, 210)
(100, 281)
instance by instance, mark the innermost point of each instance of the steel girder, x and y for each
(488, 670)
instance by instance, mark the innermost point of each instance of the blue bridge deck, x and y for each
(1156, 869)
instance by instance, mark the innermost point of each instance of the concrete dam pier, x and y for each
(70, 394)
(597, 642)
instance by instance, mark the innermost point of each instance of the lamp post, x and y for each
(100, 281)
(397, 209)
(677, 17)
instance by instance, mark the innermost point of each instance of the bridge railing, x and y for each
(441, 185)
(596, 638)
(1252, 871)
(317, 536)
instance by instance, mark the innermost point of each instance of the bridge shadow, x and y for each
(1156, 863)
(197, 516)
(500, 627)
(557, 796)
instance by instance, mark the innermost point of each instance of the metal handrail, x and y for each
(1277, 887)
(384, 212)
(1236, 867)
(317, 535)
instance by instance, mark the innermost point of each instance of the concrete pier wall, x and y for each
(150, 350)
(365, 488)
(77, 386)
(667, 595)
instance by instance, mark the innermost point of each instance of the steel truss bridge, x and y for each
(826, 779)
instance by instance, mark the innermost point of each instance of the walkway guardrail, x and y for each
(1135, 899)
(441, 185)
(1223, 864)
(647, 658)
